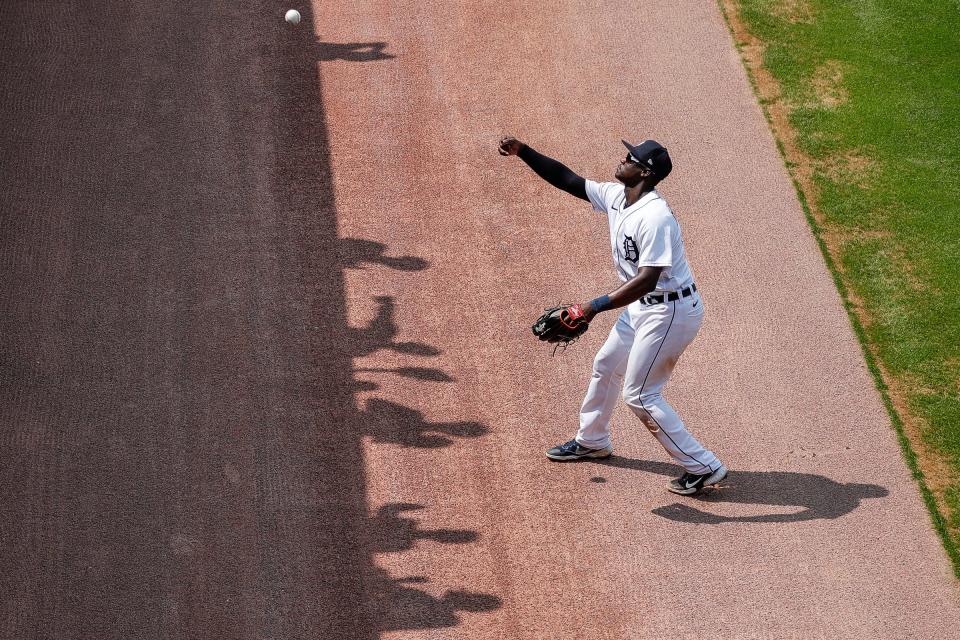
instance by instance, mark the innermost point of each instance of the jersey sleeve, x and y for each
(600, 195)
(655, 238)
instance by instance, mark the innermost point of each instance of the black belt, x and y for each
(670, 297)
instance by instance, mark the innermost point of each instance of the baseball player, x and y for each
(661, 310)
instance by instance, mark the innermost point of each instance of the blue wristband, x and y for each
(600, 304)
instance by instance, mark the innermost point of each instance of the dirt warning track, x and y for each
(266, 362)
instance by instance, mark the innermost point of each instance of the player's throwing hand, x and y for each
(510, 146)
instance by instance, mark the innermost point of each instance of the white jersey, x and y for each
(645, 234)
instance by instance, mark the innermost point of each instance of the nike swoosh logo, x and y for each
(696, 303)
(691, 485)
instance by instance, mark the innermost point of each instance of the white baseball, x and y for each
(292, 16)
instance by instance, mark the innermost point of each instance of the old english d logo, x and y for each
(630, 250)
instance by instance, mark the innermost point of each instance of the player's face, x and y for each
(630, 172)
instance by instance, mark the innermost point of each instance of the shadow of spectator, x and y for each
(393, 602)
(380, 334)
(363, 385)
(352, 51)
(816, 497)
(390, 532)
(354, 252)
(399, 606)
(396, 606)
(390, 422)
(420, 373)
(190, 341)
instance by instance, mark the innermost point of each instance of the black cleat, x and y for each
(690, 483)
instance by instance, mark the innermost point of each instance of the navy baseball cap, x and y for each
(652, 155)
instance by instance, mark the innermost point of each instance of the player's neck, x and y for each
(635, 192)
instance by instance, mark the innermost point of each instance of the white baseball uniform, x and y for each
(647, 339)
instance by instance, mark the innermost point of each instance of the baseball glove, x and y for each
(561, 325)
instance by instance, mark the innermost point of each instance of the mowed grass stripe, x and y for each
(866, 109)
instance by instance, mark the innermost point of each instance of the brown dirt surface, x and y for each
(827, 84)
(797, 11)
(267, 369)
(850, 167)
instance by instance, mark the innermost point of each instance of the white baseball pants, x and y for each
(640, 354)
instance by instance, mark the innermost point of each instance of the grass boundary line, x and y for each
(741, 36)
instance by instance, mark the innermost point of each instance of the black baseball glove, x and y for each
(561, 325)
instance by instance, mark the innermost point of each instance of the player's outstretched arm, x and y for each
(556, 173)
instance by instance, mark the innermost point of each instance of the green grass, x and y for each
(873, 88)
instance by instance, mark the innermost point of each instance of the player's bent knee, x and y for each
(604, 367)
(635, 397)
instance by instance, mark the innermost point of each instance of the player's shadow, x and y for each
(814, 497)
(352, 51)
